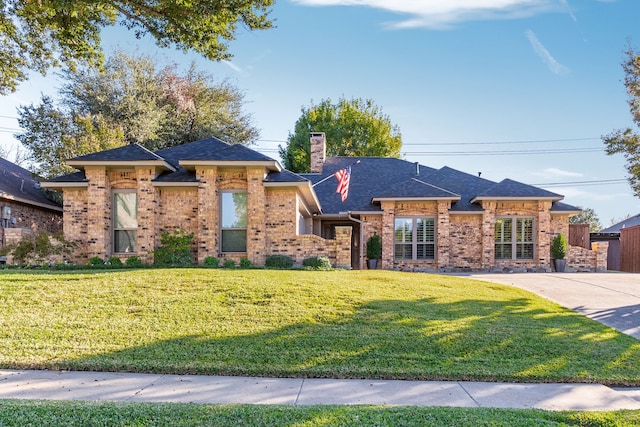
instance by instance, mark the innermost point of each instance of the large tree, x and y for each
(587, 216)
(355, 127)
(626, 141)
(131, 100)
(36, 35)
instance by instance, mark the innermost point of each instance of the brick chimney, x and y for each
(318, 151)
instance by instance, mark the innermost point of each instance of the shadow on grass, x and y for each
(399, 339)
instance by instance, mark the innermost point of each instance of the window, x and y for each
(125, 221)
(234, 222)
(514, 238)
(414, 239)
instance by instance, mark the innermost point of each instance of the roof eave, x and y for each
(69, 184)
(576, 212)
(31, 202)
(508, 198)
(414, 199)
(269, 164)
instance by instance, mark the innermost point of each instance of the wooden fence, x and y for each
(630, 249)
(579, 235)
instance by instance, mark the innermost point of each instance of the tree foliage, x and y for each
(36, 35)
(131, 100)
(626, 141)
(587, 216)
(355, 127)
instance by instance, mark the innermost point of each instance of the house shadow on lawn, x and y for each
(399, 339)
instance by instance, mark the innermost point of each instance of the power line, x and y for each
(582, 183)
(506, 153)
(532, 141)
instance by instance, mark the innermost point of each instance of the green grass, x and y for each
(343, 324)
(21, 413)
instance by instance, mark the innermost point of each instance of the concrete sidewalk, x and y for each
(103, 386)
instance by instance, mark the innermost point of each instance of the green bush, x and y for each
(211, 261)
(374, 247)
(229, 264)
(39, 248)
(134, 262)
(317, 263)
(96, 261)
(559, 247)
(174, 249)
(114, 261)
(245, 263)
(278, 261)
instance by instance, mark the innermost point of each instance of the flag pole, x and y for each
(331, 176)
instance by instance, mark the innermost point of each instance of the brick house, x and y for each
(240, 203)
(24, 208)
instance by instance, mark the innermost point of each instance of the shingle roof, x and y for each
(511, 188)
(462, 183)
(285, 176)
(414, 188)
(128, 153)
(203, 147)
(370, 176)
(629, 222)
(564, 207)
(17, 183)
(79, 176)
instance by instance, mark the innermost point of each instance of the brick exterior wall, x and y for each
(29, 217)
(272, 216)
(465, 241)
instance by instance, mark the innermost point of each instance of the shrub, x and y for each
(96, 261)
(40, 248)
(229, 264)
(374, 247)
(559, 247)
(278, 261)
(317, 263)
(245, 263)
(114, 261)
(134, 262)
(174, 249)
(211, 261)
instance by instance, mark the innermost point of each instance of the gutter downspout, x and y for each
(361, 255)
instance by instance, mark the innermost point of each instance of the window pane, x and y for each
(234, 240)
(503, 230)
(524, 251)
(425, 229)
(425, 251)
(125, 210)
(403, 230)
(524, 230)
(403, 251)
(503, 251)
(234, 210)
(124, 241)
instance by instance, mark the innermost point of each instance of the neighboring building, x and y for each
(24, 208)
(240, 203)
(612, 235)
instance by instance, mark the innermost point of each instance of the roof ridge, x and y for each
(435, 186)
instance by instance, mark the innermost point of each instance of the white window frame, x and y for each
(517, 246)
(413, 242)
(127, 230)
(222, 225)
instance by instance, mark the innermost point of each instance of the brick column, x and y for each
(601, 249)
(488, 233)
(207, 236)
(343, 247)
(443, 236)
(99, 215)
(388, 226)
(146, 214)
(543, 234)
(76, 222)
(256, 221)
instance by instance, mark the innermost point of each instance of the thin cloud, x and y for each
(565, 4)
(441, 14)
(561, 173)
(544, 54)
(234, 67)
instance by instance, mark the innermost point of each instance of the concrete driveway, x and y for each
(609, 298)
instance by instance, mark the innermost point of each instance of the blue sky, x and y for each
(519, 89)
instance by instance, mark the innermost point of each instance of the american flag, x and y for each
(343, 176)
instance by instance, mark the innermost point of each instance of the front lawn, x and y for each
(53, 414)
(343, 324)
